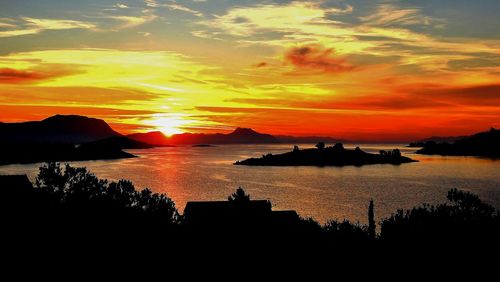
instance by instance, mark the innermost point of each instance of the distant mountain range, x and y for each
(76, 138)
(238, 136)
(73, 129)
(437, 139)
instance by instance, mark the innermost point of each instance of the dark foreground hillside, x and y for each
(69, 210)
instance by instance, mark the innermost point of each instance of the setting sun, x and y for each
(168, 124)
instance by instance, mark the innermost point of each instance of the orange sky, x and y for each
(363, 70)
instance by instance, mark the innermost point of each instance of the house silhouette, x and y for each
(252, 214)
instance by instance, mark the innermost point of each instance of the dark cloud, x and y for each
(479, 95)
(15, 76)
(261, 65)
(316, 58)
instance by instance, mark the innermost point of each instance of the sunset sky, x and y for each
(355, 69)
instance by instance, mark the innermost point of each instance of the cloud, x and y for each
(390, 14)
(383, 32)
(4, 24)
(133, 21)
(178, 7)
(120, 5)
(346, 10)
(151, 3)
(485, 95)
(35, 26)
(20, 76)
(316, 58)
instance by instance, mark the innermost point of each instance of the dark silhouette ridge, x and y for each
(327, 156)
(483, 144)
(63, 138)
(58, 129)
(154, 138)
(238, 136)
(437, 139)
(116, 142)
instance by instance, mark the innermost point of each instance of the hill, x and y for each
(63, 138)
(154, 138)
(62, 129)
(437, 139)
(238, 136)
(483, 144)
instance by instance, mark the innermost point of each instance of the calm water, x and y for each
(188, 173)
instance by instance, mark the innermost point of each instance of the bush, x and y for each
(78, 189)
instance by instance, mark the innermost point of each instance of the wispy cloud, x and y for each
(58, 24)
(43, 73)
(133, 21)
(178, 7)
(120, 5)
(4, 24)
(34, 26)
(387, 14)
(347, 9)
(151, 3)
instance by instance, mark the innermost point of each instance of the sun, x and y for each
(169, 124)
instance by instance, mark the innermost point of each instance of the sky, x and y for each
(375, 70)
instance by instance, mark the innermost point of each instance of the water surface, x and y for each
(207, 173)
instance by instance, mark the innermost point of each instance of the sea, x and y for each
(187, 173)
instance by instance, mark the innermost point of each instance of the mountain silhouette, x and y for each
(63, 138)
(154, 138)
(238, 136)
(117, 142)
(437, 139)
(483, 144)
(62, 129)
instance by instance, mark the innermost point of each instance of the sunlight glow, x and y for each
(169, 124)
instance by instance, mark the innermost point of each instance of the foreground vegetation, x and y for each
(69, 205)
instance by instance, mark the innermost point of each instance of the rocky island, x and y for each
(327, 156)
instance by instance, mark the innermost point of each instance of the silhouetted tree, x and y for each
(467, 218)
(239, 196)
(345, 231)
(78, 188)
(296, 148)
(338, 146)
(371, 221)
(320, 145)
(396, 153)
